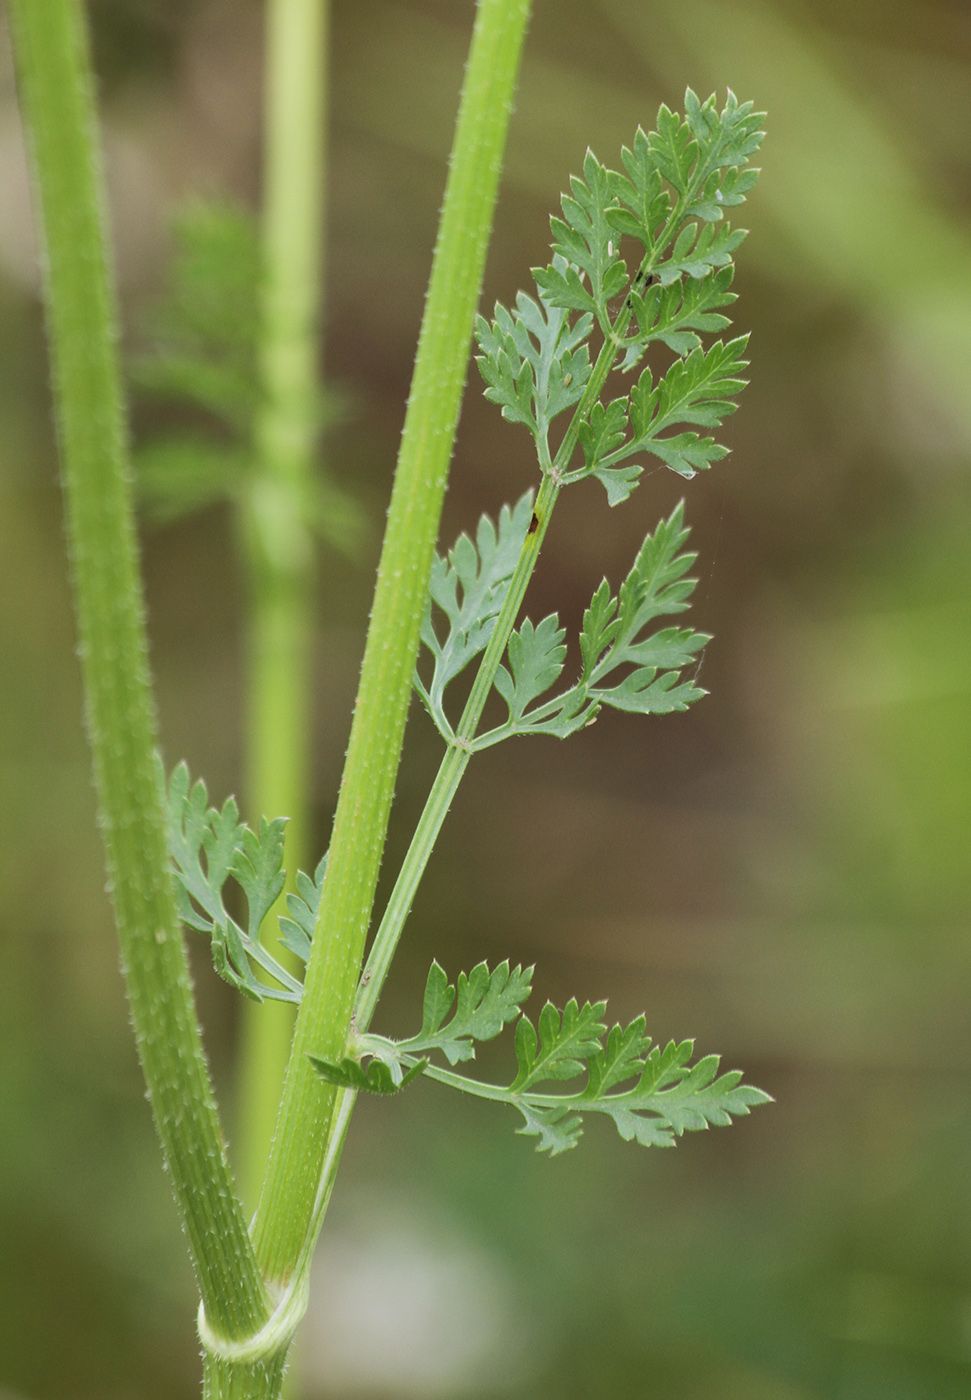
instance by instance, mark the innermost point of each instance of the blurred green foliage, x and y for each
(782, 872)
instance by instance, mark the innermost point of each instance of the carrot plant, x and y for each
(641, 256)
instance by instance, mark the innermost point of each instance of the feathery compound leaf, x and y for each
(670, 1096)
(486, 1001)
(565, 1041)
(697, 253)
(297, 931)
(612, 641)
(698, 390)
(207, 847)
(695, 390)
(557, 1128)
(376, 1077)
(673, 314)
(585, 238)
(469, 588)
(613, 627)
(535, 363)
(180, 475)
(670, 196)
(700, 157)
(653, 1114)
(536, 656)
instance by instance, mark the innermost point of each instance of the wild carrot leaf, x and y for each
(486, 1001)
(669, 1097)
(205, 331)
(565, 1041)
(697, 390)
(612, 635)
(671, 195)
(585, 239)
(297, 930)
(376, 1077)
(536, 656)
(673, 314)
(621, 666)
(535, 363)
(557, 1128)
(210, 846)
(469, 587)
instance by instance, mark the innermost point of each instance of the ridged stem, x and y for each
(56, 91)
(227, 1380)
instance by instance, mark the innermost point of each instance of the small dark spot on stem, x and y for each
(642, 282)
(533, 524)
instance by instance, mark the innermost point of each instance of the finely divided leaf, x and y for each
(469, 588)
(536, 656)
(698, 253)
(206, 329)
(486, 1001)
(565, 1041)
(534, 362)
(670, 1096)
(673, 314)
(603, 432)
(585, 238)
(557, 1128)
(180, 475)
(671, 196)
(374, 1078)
(622, 667)
(699, 390)
(612, 634)
(297, 931)
(641, 202)
(208, 847)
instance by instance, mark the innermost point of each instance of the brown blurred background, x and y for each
(783, 872)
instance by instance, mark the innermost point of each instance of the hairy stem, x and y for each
(279, 546)
(228, 1380)
(360, 825)
(56, 91)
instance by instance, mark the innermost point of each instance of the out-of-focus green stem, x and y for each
(54, 76)
(360, 826)
(279, 546)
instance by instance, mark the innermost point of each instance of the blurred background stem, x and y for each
(279, 547)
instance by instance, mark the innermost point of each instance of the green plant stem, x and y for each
(228, 1380)
(279, 546)
(444, 788)
(364, 804)
(56, 91)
